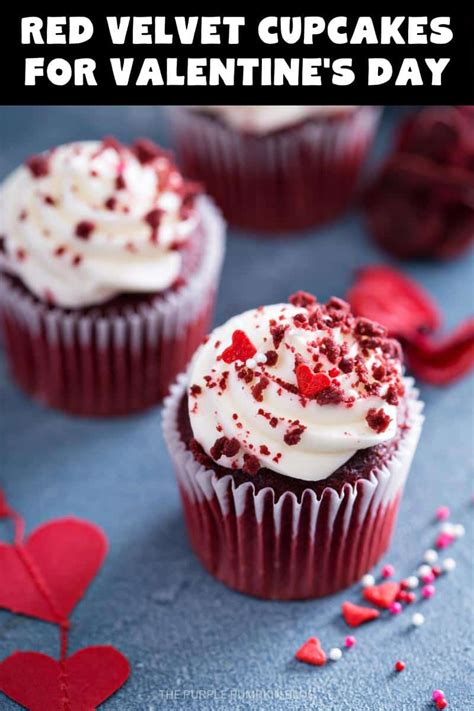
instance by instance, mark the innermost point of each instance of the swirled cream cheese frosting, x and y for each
(297, 388)
(88, 221)
(263, 119)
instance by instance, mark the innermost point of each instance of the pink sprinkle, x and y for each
(444, 540)
(442, 513)
(350, 641)
(395, 608)
(428, 591)
(437, 694)
(387, 571)
(428, 578)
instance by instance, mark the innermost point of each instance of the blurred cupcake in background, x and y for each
(292, 436)
(275, 168)
(109, 262)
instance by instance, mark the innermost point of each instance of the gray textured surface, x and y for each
(191, 642)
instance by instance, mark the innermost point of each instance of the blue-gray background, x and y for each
(191, 642)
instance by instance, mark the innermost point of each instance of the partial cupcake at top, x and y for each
(276, 168)
(292, 435)
(109, 262)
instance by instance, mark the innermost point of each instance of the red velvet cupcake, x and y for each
(276, 168)
(292, 435)
(109, 262)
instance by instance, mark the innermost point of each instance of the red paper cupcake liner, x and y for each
(289, 549)
(285, 180)
(95, 365)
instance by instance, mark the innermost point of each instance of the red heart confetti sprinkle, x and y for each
(446, 360)
(81, 682)
(310, 383)
(382, 595)
(242, 348)
(387, 296)
(46, 576)
(356, 615)
(311, 652)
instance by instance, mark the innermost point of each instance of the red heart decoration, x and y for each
(356, 615)
(382, 595)
(241, 348)
(310, 383)
(311, 652)
(84, 680)
(47, 575)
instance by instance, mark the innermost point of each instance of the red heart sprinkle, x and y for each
(241, 348)
(310, 383)
(47, 575)
(356, 615)
(311, 652)
(445, 361)
(86, 679)
(387, 296)
(382, 595)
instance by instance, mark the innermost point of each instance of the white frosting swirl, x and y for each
(264, 119)
(222, 404)
(76, 233)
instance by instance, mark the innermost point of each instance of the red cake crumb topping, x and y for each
(84, 229)
(153, 218)
(378, 420)
(38, 165)
(223, 446)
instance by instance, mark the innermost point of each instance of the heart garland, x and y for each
(44, 576)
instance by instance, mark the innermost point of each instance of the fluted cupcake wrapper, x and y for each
(97, 365)
(289, 549)
(290, 179)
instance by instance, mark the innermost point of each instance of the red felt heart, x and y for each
(382, 595)
(241, 348)
(311, 652)
(356, 615)
(310, 383)
(80, 683)
(47, 575)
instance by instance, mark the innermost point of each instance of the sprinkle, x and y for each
(437, 694)
(417, 619)
(241, 349)
(428, 578)
(251, 363)
(367, 580)
(428, 591)
(311, 652)
(430, 556)
(310, 383)
(387, 571)
(356, 615)
(382, 595)
(437, 570)
(261, 358)
(448, 565)
(335, 654)
(399, 666)
(410, 598)
(444, 540)
(448, 527)
(350, 641)
(459, 530)
(395, 608)
(412, 582)
(441, 704)
(442, 513)
(424, 570)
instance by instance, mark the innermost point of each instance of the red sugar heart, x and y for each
(444, 361)
(310, 383)
(356, 615)
(311, 652)
(80, 683)
(47, 575)
(241, 348)
(382, 595)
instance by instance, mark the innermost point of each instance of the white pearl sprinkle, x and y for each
(417, 619)
(412, 582)
(367, 580)
(335, 654)
(449, 564)
(251, 363)
(448, 527)
(424, 570)
(459, 530)
(261, 358)
(430, 556)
